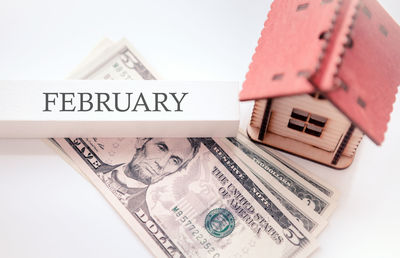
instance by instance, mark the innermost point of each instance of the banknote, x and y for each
(189, 197)
(99, 160)
(321, 186)
(310, 220)
(113, 61)
(274, 170)
(108, 61)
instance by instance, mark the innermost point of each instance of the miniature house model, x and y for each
(324, 73)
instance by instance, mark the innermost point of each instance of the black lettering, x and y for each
(47, 101)
(161, 102)
(117, 100)
(67, 101)
(143, 103)
(88, 101)
(178, 102)
(104, 102)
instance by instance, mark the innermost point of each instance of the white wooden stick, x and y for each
(44, 109)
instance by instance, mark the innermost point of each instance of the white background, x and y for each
(48, 210)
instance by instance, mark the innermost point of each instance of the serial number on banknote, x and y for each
(195, 232)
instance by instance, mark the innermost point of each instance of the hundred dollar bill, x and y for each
(274, 170)
(189, 197)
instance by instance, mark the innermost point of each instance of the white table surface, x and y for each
(48, 210)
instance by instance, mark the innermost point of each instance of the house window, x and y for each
(317, 95)
(307, 123)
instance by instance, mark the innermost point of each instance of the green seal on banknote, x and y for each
(220, 222)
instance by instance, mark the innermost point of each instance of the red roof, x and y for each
(352, 56)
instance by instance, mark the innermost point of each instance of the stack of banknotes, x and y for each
(198, 197)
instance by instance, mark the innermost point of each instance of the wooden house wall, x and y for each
(332, 134)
